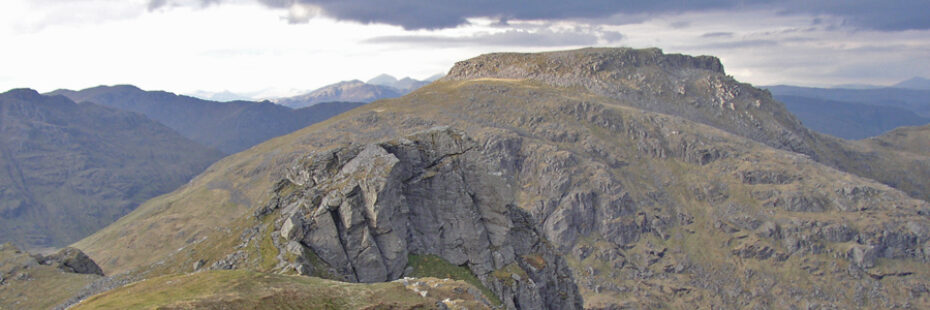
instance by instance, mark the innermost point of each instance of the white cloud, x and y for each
(247, 47)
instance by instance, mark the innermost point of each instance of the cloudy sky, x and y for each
(278, 47)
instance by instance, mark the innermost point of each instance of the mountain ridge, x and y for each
(227, 126)
(71, 168)
(914, 83)
(849, 120)
(648, 209)
(353, 90)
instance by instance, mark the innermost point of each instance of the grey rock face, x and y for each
(71, 260)
(362, 210)
(695, 88)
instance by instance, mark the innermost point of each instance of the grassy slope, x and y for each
(68, 169)
(42, 286)
(239, 289)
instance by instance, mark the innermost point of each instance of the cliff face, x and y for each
(362, 210)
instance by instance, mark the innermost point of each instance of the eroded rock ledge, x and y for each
(357, 212)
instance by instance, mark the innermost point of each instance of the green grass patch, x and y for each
(506, 274)
(436, 267)
(240, 289)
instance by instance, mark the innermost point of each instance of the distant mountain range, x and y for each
(68, 169)
(856, 113)
(227, 126)
(406, 84)
(914, 83)
(399, 86)
(380, 87)
(354, 90)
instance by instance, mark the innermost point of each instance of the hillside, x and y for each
(849, 120)
(915, 100)
(349, 91)
(250, 290)
(645, 180)
(227, 126)
(915, 140)
(30, 281)
(67, 169)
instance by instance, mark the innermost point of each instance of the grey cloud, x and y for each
(717, 35)
(891, 15)
(157, 4)
(435, 14)
(680, 24)
(612, 36)
(154, 4)
(738, 44)
(507, 38)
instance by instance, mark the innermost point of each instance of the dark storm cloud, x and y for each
(506, 38)
(435, 14)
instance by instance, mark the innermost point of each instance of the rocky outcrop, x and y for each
(34, 281)
(71, 260)
(695, 88)
(357, 212)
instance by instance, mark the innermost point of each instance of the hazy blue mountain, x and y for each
(405, 85)
(857, 86)
(435, 77)
(222, 96)
(228, 126)
(346, 91)
(68, 169)
(849, 120)
(383, 80)
(914, 100)
(915, 83)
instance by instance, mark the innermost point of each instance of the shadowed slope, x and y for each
(227, 126)
(68, 169)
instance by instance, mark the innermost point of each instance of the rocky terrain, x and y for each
(226, 126)
(68, 169)
(913, 140)
(362, 210)
(40, 282)
(646, 180)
